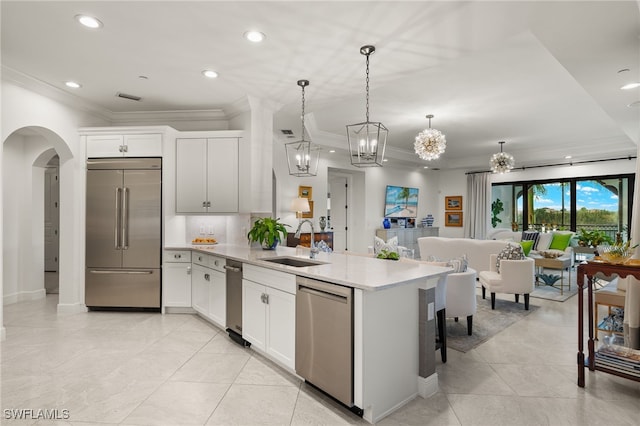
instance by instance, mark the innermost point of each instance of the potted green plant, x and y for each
(267, 231)
(593, 238)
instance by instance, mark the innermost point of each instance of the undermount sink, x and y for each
(293, 261)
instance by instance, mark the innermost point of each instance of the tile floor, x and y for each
(150, 369)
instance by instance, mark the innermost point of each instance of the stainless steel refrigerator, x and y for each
(123, 235)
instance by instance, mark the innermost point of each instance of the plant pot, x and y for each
(265, 245)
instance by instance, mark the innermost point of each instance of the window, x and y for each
(602, 203)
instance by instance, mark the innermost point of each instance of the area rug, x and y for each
(486, 322)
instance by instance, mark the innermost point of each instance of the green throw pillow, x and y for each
(527, 245)
(560, 241)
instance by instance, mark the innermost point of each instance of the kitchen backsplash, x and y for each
(225, 229)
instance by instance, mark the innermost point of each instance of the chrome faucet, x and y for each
(314, 249)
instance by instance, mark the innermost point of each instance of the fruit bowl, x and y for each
(616, 255)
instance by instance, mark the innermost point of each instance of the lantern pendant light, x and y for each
(367, 140)
(302, 155)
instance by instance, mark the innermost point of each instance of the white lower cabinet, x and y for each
(269, 313)
(176, 279)
(209, 288)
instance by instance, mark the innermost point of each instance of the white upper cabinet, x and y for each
(122, 145)
(207, 175)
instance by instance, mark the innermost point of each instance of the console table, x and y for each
(588, 270)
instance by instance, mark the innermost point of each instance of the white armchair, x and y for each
(515, 277)
(461, 296)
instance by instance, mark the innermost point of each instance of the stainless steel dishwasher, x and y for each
(234, 301)
(324, 337)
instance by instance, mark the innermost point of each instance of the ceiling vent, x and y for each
(130, 97)
(288, 133)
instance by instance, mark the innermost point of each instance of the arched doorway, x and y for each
(25, 156)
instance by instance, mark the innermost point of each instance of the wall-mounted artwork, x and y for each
(305, 192)
(400, 201)
(453, 202)
(452, 218)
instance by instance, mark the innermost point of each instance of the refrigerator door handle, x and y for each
(125, 219)
(120, 271)
(117, 227)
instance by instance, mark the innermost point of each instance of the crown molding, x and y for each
(161, 117)
(47, 90)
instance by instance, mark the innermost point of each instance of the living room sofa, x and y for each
(544, 239)
(476, 251)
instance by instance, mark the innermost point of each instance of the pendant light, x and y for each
(302, 155)
(367, 140)
(502, 162)
(430, 143)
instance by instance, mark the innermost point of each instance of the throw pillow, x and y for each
(527, 245)
(560, 241)
(459, 264)
(531, 236)
(391, 245)
(510, 252)
(544, 241)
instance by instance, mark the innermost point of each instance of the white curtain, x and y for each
(635, 214)
(478, 205)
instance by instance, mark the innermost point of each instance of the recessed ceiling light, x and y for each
(567, 157)
(72, 84)
(210, 73)
(89, 21)
(385, 160)
(630, 86)
(425, 167)
(332, 151)
(254, 36)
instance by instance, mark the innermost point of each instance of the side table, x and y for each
(588, 270)
(560, 263)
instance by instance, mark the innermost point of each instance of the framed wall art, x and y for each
(305, 192)
(453, 202)
(452, 218)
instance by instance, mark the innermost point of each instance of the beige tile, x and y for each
(537, 381)
(222, 344)
(178, 403)
(255, 405)
(183, 341)
(152, 365)
(435, 410)
(476, 378)
(259, 371)
(212, 368)
(496, 410)
(313, 408)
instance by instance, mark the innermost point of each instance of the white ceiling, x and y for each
(542, 76)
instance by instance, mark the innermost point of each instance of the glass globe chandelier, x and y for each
(502, 162)
(430, 143)
(302, 155)
(367, 140)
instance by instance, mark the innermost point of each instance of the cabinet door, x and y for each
(176, 284)
(253, 314)
(281, 328)
(200, 280)
(191, 175)
(143, 145)
(101, 146)
(222, 175)
(218, 298)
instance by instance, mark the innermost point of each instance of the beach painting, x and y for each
(401, 202)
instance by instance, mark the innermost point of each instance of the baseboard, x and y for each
(71, 308)
(428, 386)
(179, 310)
(24, 296)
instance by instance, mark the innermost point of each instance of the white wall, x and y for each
(451, 182)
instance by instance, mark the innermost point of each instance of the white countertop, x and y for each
(352, 270)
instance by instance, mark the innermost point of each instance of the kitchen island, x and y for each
(393, 318)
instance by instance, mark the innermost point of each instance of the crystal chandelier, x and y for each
(430, 143)
(367, 140)
(302, 156)
(502, 162)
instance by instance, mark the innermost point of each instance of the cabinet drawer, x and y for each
(269, 277)
(177, 256)
(214, 262)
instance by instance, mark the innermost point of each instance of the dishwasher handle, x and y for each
(232, 268)
(322, 293)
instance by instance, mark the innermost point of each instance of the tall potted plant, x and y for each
(267, 231)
